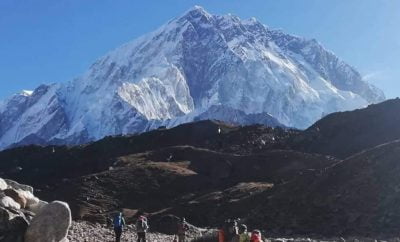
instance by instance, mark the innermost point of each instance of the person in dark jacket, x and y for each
(118, 223)
(141, 228)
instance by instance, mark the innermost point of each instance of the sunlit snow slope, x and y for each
(197, 66)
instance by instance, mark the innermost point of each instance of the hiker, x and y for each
(243, 235)
(183, 227)
(141, 228)
(256, 236)
(118, 223)
(221, 235)
(228, 231)
(219, 140)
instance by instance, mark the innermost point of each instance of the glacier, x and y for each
(196, 66)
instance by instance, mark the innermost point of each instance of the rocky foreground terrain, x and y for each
(88, 232)
(26, 218)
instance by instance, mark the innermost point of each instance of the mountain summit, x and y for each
(196, 66)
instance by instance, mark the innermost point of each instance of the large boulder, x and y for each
(17, 196)
(51, 224)
(13, 224)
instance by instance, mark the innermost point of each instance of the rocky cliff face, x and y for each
(182, 72)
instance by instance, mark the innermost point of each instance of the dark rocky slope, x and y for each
(346, 133)
(359, 195)
(193, 176)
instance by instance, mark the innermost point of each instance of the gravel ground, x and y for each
(88, 232)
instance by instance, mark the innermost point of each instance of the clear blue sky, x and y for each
(45, 41)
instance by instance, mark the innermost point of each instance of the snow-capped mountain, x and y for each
(196, 66)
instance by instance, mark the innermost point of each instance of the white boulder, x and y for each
(15, 185)
(50, 224)
(3, 184)
(8, 202)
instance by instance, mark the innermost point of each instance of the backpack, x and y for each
(117, 221)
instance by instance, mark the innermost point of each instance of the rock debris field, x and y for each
(88, 232)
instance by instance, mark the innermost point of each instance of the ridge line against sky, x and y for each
(46, 41)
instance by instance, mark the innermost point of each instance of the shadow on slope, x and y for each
(346, 133)
(200, 184)
(358, 196)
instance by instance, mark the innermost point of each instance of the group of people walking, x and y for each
(230, 231)
(141, 227)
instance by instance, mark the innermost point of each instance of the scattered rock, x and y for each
(85, 231)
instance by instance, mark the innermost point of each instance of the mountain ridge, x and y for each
(179, 72)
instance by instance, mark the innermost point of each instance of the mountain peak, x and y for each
(197, 8)
(26, 93)
(179, 72)
(196, 11)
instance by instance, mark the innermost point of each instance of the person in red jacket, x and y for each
(221, 235)
(256, 236)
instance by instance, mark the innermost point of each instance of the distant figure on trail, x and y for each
(183, 227)
(170, 157)
(141, 228)
(118, 223)
(219, 138)
(243, 235)
(256, 236)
